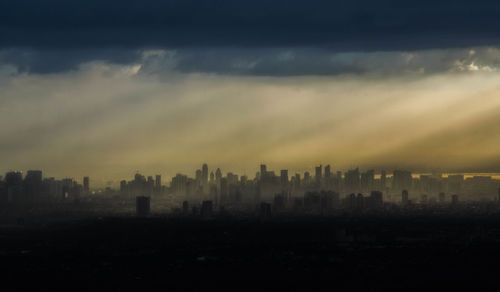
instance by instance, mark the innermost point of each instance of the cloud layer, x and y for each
(110, 120)
(259, 62)
(106, 88)
(345, 25)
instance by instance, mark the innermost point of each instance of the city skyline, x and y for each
(100, 183)
(324, 190)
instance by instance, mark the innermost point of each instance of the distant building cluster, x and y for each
(322, 191)
(33, 188)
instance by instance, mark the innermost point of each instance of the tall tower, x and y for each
(158, 182)
(218, 176)
(328, 173)
(307, 178)
(401, 180)
(86, 184)
(297, 180)
(263, 171)
(198, 177)
(284, 178)
(383, 180)
(204, 173)
(318, 174)
(204, 178)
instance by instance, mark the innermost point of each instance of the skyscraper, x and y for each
(352, 179)
(328, 177)
(263, 171)
(318, 175)
(401, 180)
(455, 183)
(34, 175)
(297, 180)
(86, 185)
(212, 177)
(198, 178)
(218, 176)
(142, 206)
(204, 174)
(158, 182)
(367, 179)
(150, 185)
(360, 202)
(123, 187)
(376, 199)
(307, 178)
(223, 191)
(383, 180)
(328, 173)
(284, 178)
(32, 185)
(339, 180)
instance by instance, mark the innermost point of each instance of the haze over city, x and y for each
(113, 119)
(191, 143)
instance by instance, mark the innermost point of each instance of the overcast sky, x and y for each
(105, 89)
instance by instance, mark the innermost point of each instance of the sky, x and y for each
(108, 88)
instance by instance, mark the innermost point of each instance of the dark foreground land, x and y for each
(116, 254)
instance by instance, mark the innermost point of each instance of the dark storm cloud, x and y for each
(258, 37)
(312, 61)
(60, 60)
(346, 25)
(258, 61)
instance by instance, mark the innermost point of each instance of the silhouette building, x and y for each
(206, 209)
(328, 172)
(284, 178)
(263, 171)
(158, 181)
(351, 179)
(404, 197)
(86, 185)
(142, 205)
(218, 176)
(401, 180)
(383, 180)
(318, 174)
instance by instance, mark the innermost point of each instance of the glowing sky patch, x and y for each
(111, 120)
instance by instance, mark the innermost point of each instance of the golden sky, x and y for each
(108, 121)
